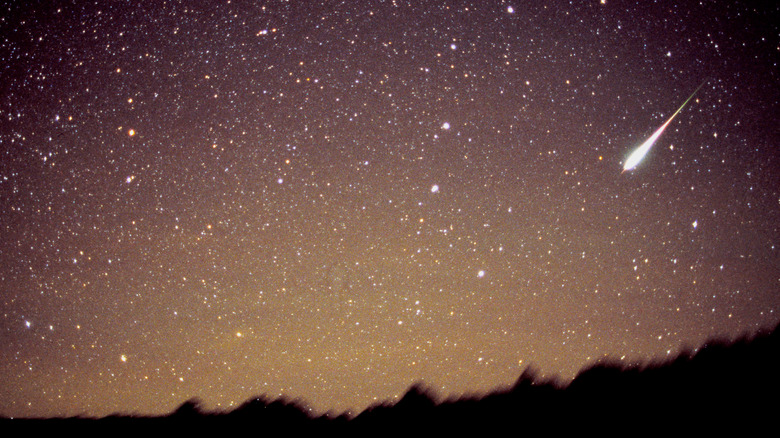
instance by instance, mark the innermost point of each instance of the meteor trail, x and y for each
(636, 157)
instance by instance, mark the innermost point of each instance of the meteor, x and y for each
(636, 157)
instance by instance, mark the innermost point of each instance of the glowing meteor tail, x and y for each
(636, 157)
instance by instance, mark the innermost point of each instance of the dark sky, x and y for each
(334, 200)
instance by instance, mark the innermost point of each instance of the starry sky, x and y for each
(333, 200)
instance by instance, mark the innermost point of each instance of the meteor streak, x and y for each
(636, 157)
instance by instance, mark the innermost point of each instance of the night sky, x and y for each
(333, 200)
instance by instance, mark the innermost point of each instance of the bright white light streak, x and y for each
(636, 157)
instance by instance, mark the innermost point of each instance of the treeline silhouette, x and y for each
(720, 385)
